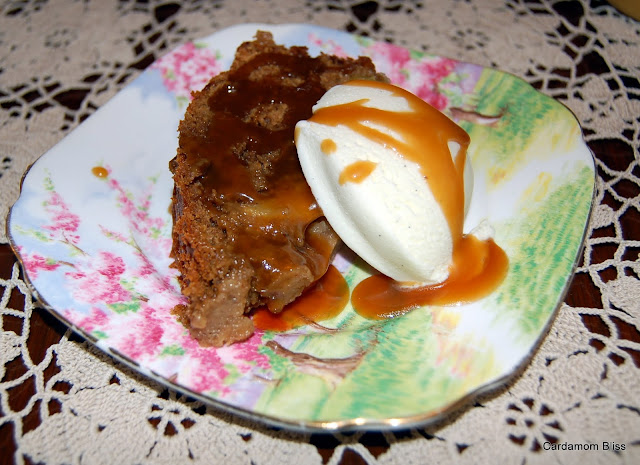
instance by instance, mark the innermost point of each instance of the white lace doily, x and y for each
(62, 59)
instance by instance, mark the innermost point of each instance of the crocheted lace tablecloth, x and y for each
(60, 60)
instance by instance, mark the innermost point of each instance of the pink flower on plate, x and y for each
(328, 46)
(390, 59)
(430, 73)
(114, 235)
(146, 233)
(147, 268)
(158, 283)
(246, 354)
(204, 371)
(434, 69)
(96, 319)
(144, 334)
(97, 279)
(187, 68)
(420, 75)
(64, 224)
(435, 99)
(137, 210)
(34, 263)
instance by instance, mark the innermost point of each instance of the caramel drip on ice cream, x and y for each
(328, 146)
(478, 267)
(357, 171)
(425, 133)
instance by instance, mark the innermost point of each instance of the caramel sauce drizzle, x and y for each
(425, 133)
(328, 146)
(478, 267)
(323, 301)
(380, 297)
(269, 211)
(357, 171)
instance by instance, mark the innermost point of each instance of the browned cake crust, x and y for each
(247, 231)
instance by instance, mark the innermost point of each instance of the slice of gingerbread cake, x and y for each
(247, 231)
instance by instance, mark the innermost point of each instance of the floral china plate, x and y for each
(92, 230)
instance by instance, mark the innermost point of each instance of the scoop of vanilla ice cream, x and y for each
(390, 217)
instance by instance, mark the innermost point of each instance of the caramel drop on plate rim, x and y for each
(99, 172)
(478, 266)
(322, 301)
